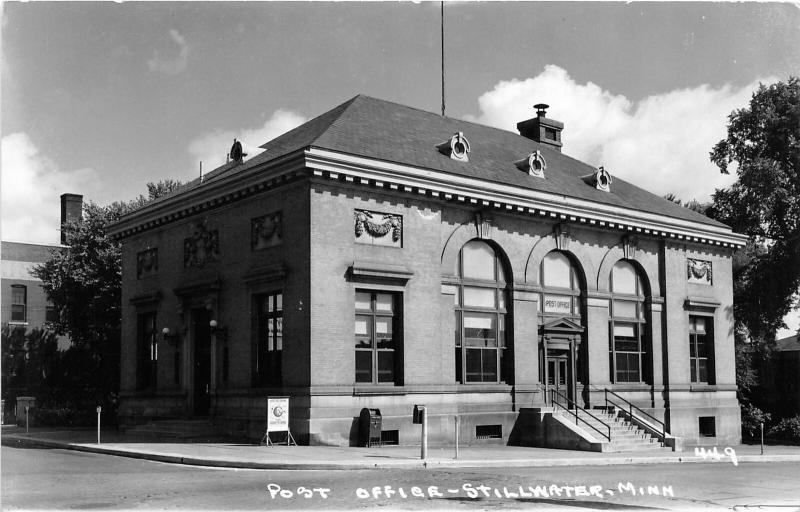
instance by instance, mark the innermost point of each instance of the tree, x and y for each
(763, 143)
(84, 283)
(694, 204)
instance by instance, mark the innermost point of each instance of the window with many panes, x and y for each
(561, 297)
(377, 337)
(19, 303)
(628, 356)
(481, 314)
(269, 344)
(701, 349)
(147, 351)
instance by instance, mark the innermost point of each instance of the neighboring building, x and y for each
(381, 256)
(24, 303)
(781, 378)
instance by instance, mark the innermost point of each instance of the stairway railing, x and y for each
(554, 394)
(662, 432)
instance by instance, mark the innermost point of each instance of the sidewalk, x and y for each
(252, 456)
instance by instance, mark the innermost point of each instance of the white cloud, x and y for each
(31, 188)
(792, 321)
(212, 148)
(660, 143)
(171, 66)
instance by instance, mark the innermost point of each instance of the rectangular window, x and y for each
(269, 346)
(488, 431)
(482, 344)
(706, 426)
(19, 303)
(147, 351)
(626, 352)
(377, 346)
(50, 313)
(701, 349)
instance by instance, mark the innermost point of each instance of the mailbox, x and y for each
(370, 424)
(418, 413)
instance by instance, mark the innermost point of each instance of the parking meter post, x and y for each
(98, 423)
(26, 419)
(424, 453)
(457, 436)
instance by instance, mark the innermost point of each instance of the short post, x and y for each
(762, 437)
(457, 422)
(98, 423)
(424, 449)
(26, 419)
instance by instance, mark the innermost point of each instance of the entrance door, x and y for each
(202, 361)
(558, 378)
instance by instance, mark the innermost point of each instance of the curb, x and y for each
(16, 441)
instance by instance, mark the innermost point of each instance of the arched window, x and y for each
(628, 343)
(481, 311)
(561, 289)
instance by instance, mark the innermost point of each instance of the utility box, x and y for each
(370, 424)
(417, 417)
(24, 402)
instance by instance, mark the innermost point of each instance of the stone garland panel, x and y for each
(266, 231)
(146, 263)
(376, 228)
(698, 271)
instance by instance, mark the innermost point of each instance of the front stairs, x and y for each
(625, 436)
(556, 427)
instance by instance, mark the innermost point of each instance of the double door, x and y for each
(558, 378)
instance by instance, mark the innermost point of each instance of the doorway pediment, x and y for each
(562, 326)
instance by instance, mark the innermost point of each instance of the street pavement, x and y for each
(246, 455)
(35, 478)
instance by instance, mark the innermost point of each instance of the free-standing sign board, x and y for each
(277, 419)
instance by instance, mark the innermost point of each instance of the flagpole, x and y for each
(443, 103)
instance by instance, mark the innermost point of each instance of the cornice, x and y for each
(398, 178)
(214, 193)
(470, 191)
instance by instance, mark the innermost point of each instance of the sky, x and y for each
(99, 98)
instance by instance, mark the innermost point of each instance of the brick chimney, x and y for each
(71, 209)
(541, 129)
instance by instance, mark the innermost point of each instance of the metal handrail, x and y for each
(631, 407)
(553, 394)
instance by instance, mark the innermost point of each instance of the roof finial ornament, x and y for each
(236, 153)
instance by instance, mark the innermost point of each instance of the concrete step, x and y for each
(625, 436)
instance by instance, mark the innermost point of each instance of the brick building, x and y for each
(24, 303)
(780, 379)
(381, 256)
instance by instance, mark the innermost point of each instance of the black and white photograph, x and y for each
(411, 255)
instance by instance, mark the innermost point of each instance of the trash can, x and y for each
(22, 403)
(369, 427)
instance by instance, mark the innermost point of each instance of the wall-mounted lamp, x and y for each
(168, 335)
(220, 332)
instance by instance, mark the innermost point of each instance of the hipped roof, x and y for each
(377, 129)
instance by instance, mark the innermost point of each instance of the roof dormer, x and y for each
(456, 148)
